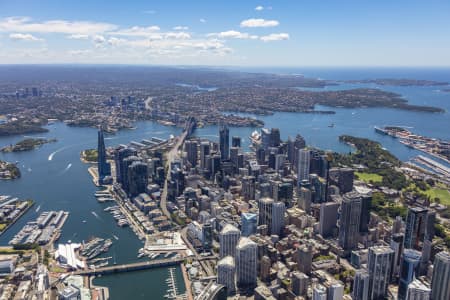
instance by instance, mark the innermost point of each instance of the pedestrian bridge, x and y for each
(131, 267)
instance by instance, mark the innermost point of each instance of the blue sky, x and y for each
(242, 33)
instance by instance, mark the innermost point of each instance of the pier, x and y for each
(132, 267)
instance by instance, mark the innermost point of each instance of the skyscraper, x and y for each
(328, 218)
(278, 210)
(236, 141)
(249, 224)
(304, 259)
(397, 245)
(119, 157)
(349, 221)
(408, 268)
(379, 268)
(418, 291)
(224, 143)
(300, 283)
(361, 285)
(303, 165)
(319, 292)
(246, 260)
(226, 271)
(415, 227)
(191, 152)
(228, 239)
(265, 206)
(336, 291)
(205, 148)
(137, 178)
(440, 287)
(104, 168)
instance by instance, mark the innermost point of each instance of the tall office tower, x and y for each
(275, 138)
(300, 282)
(397, 225)
(418, 291)
(303, 165)
(104, 168)
(261, 155)
(124, 170)
(224, 143)
(349, 221)
(426, 256)
(397, 245)
(440, 287)
(345, 181)
(265, 138)
(271, 161)
(207, 235)
(226, 271)
(265, 206)
(279, 161)
(246, 261)
(361, 285)
(304, 200)
(119, 156)
(317, 163)
(318, 185)
(286, 192)
(278, 210)
(319, 292)
(236, 141)
(366, 201)
(137, 178)
(304, 259)
(228, 239)
(429, 229)
(248, 188)
(293, 147)
(415, 227)
(328, 218)
(191, 151)
(205, 149)
(249, 223)
(234, 157)
(408, 269)
(336, 291)
(379, 268)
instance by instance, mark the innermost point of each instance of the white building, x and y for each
(246, 259)
(228, 239)
(226, 272)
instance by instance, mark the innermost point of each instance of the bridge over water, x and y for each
(132, 267)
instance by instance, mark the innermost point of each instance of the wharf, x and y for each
(94, 173)
(17, 218)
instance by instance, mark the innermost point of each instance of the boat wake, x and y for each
(95, 215)
(38, 208)
(116, 237)
(67, 168)
(50, 157)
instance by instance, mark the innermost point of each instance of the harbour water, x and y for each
(56, 179)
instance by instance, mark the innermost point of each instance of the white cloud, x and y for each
(202, 20)
(78, 36)
(259, 8)
(181, 28)
(137, 31)
(233, 34)
(23, 24)
(177, 35)
(24, 37)
(275, 37)
(79, 52)
(99, 39)
(113, 41)
(259, 23)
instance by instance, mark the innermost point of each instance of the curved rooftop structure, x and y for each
(229, 229)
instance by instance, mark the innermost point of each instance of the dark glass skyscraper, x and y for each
(224, 143)
(104, 168)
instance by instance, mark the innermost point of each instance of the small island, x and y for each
(27, 145)
(89, 156)
(8, 171)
